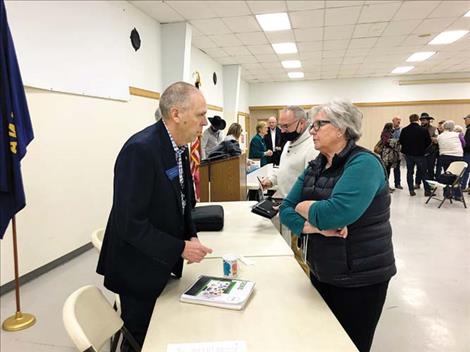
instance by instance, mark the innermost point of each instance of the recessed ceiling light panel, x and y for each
(447, 37)
(274, 22)
(295, 74)
(403, 69)
(285, 48)
(420, 56)
(291, 64)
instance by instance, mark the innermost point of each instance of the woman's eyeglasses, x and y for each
(317, 124)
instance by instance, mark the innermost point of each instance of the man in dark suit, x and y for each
(273, 141)
(414, 140)
(150, 230)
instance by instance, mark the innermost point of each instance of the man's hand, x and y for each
(266, 183)
(194, 251)
(269, 152)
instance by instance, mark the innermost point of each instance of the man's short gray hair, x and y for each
(449, 125)
(343, 115)
(176, 95)
(298, 112)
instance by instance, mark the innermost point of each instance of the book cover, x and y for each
(219, 292)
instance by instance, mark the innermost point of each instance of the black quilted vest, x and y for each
(365, 257)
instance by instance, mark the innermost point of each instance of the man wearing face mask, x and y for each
(298, 150)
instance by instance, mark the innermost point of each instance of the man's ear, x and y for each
(175, 114)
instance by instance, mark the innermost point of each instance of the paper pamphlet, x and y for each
(219, 292)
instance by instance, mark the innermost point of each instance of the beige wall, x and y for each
(68, 173)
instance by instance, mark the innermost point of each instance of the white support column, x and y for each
(232, 76)
(176, 53)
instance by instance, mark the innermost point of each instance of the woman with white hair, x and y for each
(450, 146)
(341, 203)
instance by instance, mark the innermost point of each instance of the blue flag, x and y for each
(15, 127)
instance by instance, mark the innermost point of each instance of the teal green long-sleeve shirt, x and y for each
(257, 149)
(362, 179)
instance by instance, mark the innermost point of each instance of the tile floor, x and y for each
(427, 308)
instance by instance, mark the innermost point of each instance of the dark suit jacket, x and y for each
(414, 140)
(145, 234)
(269, 145)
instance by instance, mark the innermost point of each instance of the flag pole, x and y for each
(19, 321)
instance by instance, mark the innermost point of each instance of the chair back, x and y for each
(97, 238)
(89, 318)
(457, 167)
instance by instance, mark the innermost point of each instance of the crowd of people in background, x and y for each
(427, 150)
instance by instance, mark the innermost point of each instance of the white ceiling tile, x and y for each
(255, 38)
(333, 53)
(335, 44)
(343, 3)
(267, 58)
(245, 59)
(341, 16)
(332, 60)
(411, 10)
(271, 64)
(242, 24)
(304, 5)
(229, 8)
(306, 19)
(260, 7)
(350, 66)
(378, 12)
(390, 41)
(338, 32)
(450, 9)
(353, 59)
(401, 27)
(210, 26)
(159, 10)
(253, 66)
(260, 49)
(311, 56)
(357, 52)
(237, 50)
(226, 40)
(461, 23)
(309, 34)
(308, 47)
(203, 42)
(280, 36)
(229, 60)
(216, 53)
(414, 39)
(362, 43)
(435, 25)
(192, 9)
(195, 32)
(369, 29)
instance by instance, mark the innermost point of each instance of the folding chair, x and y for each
(90, 321)
(97, 238)
(456, 168)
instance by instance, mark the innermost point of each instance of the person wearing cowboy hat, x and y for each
(432, 151)
(212, 136)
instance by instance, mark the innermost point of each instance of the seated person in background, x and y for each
(212, 136)
(257, 145)
(229, 146)
(347, 219)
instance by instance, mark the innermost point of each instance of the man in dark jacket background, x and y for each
(273, 141)
(150, 230)
(414, 140)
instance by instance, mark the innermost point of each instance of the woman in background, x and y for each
(257, 145)
(390, 154)
(229, 146)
